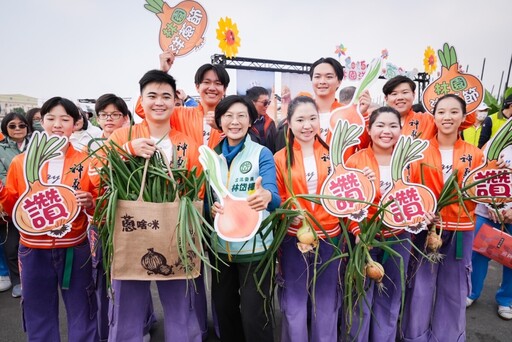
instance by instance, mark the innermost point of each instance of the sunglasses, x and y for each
(265, 103)
(22, 126)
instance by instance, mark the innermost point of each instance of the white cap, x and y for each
(483, 106)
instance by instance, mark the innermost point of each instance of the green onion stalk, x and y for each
(121, 177)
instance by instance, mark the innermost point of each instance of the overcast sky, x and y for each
(84, 48)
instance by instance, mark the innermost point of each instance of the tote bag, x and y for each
(145, 241)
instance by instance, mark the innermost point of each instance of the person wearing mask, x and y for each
(477, 135)
(15, 128)
(264, 128)
(34, 120)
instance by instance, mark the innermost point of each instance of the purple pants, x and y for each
(177, 298)
(381, 310)
(296, 272)
(435, 303)
(100, 287)
(41, 276)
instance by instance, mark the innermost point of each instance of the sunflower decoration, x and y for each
(227, 34)
(430, 60)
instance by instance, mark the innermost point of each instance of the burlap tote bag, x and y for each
(145, 240)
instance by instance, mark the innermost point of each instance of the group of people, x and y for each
(266, 166)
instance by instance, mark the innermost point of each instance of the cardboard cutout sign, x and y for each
(349, 185)
(182, 27)
(351, 112)
(239, 222)
(408, 202)
(453, 81)
(44, 208)
(488, 181)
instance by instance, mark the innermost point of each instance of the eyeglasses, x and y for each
(113, 115)
(21, 126)
(230, 117)
(265, 102)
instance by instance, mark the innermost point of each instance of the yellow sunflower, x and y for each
(227, 34)
(430, 60)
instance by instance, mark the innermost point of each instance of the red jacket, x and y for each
(299, 185)
(466, 157)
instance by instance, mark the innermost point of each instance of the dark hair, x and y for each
(30, 118)
(418, 108)
(110, 99)
(254, 93)
(85, 119)
(296, 102)
(507, 102)
(219, 70)
(452, 96)
(391, 84)
(11, 116)
(227, 102)
(69, 107)
(377, 112)
(159, 77)
(346, 94)
(338, 68)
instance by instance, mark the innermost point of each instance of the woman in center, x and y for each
(248, 171)
(304, 174)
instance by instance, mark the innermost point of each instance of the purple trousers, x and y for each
(295, 290)
(435, 303)
(177, 298)
(100, 287)
(380, 311)
(41, 276)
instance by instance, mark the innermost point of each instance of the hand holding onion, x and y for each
(430, 218)
(143, 147)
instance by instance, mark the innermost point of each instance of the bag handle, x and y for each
(169, 171)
